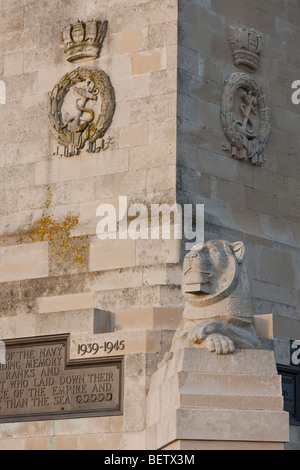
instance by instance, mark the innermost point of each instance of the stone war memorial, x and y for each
(149, 225)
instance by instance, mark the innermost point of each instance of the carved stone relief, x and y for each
(245, 118)
(82, 104)
(84, 40)
(246, 47)
(81, 108)
(217, 313)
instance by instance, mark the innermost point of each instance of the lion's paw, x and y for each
(204, 329)
(219, 344)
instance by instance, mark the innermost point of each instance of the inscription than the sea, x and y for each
(38, 381)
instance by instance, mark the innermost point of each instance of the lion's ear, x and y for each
(238, 249)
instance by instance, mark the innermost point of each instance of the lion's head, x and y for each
(210, 270)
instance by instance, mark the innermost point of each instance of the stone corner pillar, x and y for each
(199, 400)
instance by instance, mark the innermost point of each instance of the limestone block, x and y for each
(267, 203)
(134, 136)
(131, 88)
(116, 279)
(122, 114)
(159, 178)
(33, 198)
(49, 76)
(199, 396)
(31, 152)
(70, 427)
(162, 34)
(17, 327)
(66, 302)
(12, 20)
(115, 161)
(150, 252)
(188, 60)
(134, 403)
(170, 296)
(153, 155)
(63, 443)
(245, 361)
(275, 326)
(231, 384)
(230, 192)
(148, 61)
(274, 292)
(26, 429)
(136, 365)
(265, 180)
(128, 297)
(133, 318)
(164, 275)
(197, 182)
(88, 210)
(62, 322)
(150, 108)
(74, 192)
(112, 441)
(8, 327)
(278, 268)
(13, 444)
(233, 402)
(234, 425)
(37, 59)
(162, 130)
(27, 261)
(203, 391)
(247, 221)
(162, 81)
(19, 85)
(117, 184)
(122, 342)
(223, 425)
(287, 120)
(195, 38)
(101, 258)
(13, 177)
(150, 318)
(132, 40)
(13, 64)
(56, 170)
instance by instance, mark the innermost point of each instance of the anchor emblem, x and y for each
(81, 107)
(248, 106)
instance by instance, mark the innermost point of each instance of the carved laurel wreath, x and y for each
(254, 146)
(102, 122)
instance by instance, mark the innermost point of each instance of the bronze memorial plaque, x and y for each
(38, 381)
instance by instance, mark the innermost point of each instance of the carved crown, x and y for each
(83, 41)
(246, 46)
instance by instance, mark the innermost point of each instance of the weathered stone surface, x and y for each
(183, 399)
(167, 61)
(26, 261)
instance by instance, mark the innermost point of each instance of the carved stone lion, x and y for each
(217, 313)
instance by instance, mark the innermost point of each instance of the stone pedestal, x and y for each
(199, 400)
